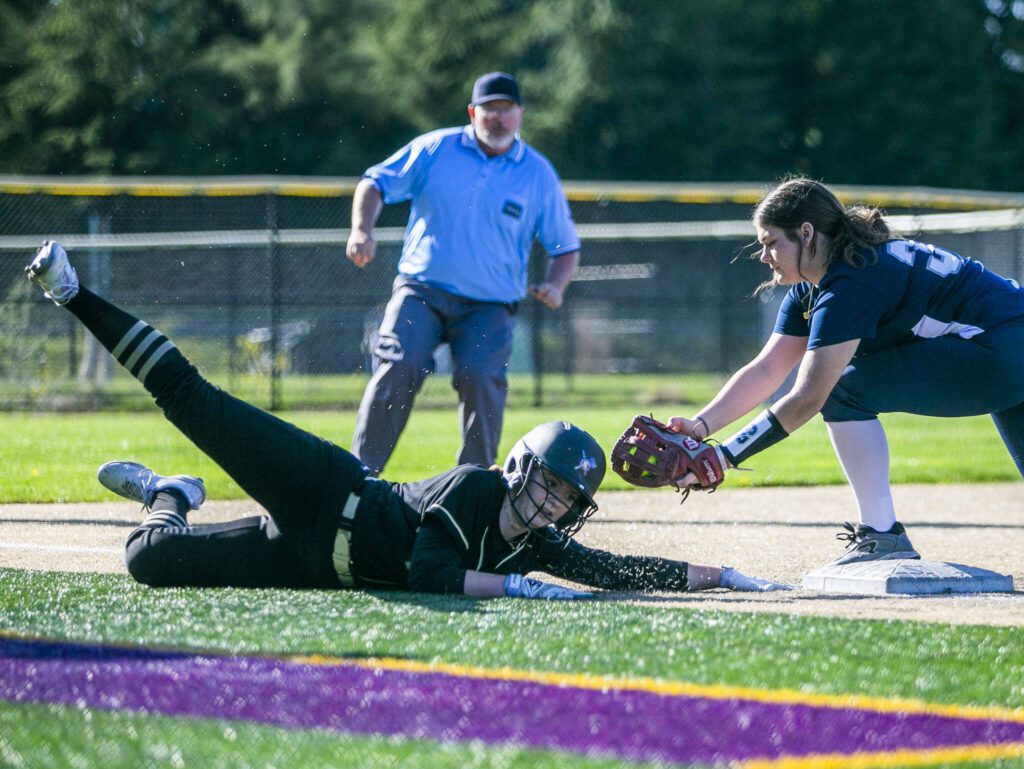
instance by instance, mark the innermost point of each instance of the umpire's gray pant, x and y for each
(418, 319)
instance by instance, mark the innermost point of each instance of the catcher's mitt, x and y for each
(649, 454)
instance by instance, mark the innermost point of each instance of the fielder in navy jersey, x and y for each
(876, 324)
(471, 530)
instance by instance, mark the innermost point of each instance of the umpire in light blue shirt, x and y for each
(479, 196)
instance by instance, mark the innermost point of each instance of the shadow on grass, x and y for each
(448, 604)
(792, 524)
(74, 522)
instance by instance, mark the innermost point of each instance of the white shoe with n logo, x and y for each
(138, 482)
(52, 272)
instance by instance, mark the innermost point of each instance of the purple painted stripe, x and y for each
(634, 725)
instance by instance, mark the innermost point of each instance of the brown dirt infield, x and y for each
(775, 533)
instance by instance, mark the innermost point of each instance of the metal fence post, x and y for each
(537, 348)
(231, 334)
(275, 300)
(95, 365)
(569, 355)
(1019, 260)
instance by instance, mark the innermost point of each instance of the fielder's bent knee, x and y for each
(843, 406)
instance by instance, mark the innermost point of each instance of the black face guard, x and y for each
(565, 527)
(573, 521)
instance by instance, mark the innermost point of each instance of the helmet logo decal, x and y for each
(586, 463)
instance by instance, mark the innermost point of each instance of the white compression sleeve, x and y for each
(863, 452)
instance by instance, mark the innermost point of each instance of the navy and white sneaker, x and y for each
(138, 482)
(866, 544)
(52, 272)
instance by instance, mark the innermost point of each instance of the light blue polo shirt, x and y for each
(474, 218)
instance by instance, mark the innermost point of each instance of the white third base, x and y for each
(906, 577)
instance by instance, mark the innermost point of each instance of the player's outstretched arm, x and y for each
(747, 389)
(645, 573)
(484, 585)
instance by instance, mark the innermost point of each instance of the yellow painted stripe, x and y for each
(623, 192)
(893, 758)
(77, 190)
(158, 191)
(681, 688)
(608, 683)
(581, 196)
(174, 189)
(242, 190)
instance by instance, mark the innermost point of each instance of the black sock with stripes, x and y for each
(168, 511)
(145, 352)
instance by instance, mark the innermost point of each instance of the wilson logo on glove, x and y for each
(649, 454)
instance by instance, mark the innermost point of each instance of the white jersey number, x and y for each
(940, 261)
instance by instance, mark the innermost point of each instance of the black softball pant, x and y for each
(303, 481)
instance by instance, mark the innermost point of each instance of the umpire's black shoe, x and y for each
(866, 544)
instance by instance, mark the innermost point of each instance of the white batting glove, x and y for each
(518, 586)
(732, 579)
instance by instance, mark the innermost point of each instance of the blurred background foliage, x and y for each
(919, 92)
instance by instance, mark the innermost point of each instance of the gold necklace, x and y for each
(811, 299)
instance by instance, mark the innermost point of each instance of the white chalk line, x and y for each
(57, 548)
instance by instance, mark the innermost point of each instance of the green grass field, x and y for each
(53, 457)
(955, 666)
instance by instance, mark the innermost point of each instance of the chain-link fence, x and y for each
(250, 280)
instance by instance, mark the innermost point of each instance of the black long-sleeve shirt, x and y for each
(424, 536)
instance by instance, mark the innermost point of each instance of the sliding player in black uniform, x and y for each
(470, 530)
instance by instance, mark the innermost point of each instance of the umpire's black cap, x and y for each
(495, 85)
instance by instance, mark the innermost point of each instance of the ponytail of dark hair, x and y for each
(861, 228)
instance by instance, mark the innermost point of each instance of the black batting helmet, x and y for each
(566, 451)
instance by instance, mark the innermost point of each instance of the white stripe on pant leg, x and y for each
(126, 340)
(149, 341)
(160, 352)
(164, 519)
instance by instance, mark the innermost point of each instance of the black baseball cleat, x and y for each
(866, 544)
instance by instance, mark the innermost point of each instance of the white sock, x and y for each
(863, 452)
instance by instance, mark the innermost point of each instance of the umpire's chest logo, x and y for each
(513, 209)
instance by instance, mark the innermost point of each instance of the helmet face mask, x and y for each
(566, 452)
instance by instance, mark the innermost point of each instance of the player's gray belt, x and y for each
(342, 555)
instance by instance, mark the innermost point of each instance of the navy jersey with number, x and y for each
(907, 290)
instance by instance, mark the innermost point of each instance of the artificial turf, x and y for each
(965, 665)
(931, 663)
